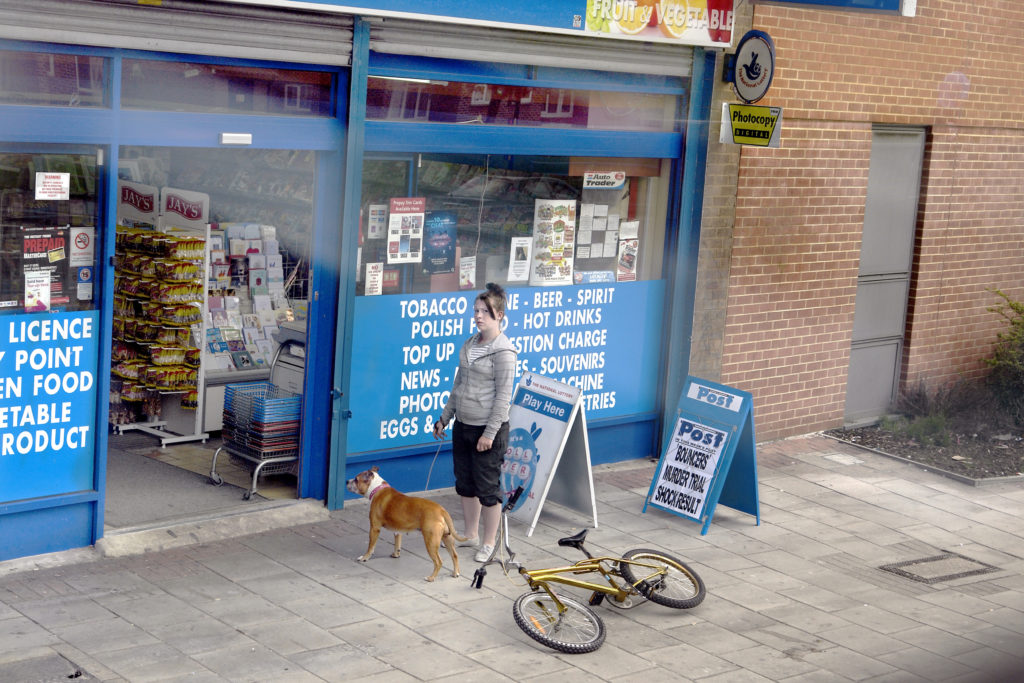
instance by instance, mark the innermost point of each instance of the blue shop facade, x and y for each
(183, 182)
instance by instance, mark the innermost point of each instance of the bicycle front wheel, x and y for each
(575, 631)
(668, 581)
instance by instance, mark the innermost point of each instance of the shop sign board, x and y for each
(47, 403)
(710, 455)
(588, 336)
(708, 23)
(548, 452)
(751, 124)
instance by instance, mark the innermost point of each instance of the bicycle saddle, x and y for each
(574, 541)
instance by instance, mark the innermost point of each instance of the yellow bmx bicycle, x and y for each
(568, 625)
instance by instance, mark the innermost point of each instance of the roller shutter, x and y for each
(204, 28)
(457, 41)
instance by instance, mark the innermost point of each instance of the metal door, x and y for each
(883, 283)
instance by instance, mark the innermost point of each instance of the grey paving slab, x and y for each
(256, 663)
(106, 635)
(928, 665)
(289, 636)
(340, 663)
(768, 662)
(152, 662)
(202, 635)
(691, 662)
(20, 634)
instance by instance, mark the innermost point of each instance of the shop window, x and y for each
(449, 222)
(52, 80)
(388, 99)
(218, 88)
(48, 217)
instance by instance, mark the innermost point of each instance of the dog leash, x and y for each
(429, 471)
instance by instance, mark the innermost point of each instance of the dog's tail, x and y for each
(450, 527)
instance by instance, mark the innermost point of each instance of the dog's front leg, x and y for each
(374, 534)
(398, 545)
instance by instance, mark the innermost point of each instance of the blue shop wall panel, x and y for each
(45, 530)
(412, 470)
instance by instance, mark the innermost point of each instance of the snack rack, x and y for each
(261, 430)
(157, 332)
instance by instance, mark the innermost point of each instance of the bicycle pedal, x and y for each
(478, 578)
(596, 598)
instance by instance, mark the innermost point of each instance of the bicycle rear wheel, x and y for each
(575, 631)
(678, 586)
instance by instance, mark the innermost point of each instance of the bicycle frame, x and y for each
(540, 578)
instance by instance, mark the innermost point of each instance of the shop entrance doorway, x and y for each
(192, 323)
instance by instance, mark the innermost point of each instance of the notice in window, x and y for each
(519, 259)
(554, 239)
(405, 230)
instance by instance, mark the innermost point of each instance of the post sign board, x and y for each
(710, 455)
(548, 453)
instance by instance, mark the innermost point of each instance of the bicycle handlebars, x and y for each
(513, 499)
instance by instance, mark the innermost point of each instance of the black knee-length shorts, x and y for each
(478, 475)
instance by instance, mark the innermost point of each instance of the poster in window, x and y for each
(554, 238)
(439, 242)
(467, 272)
(376, 221)
(519, 259)
(626, 267)
(37, 291)
(405, 230)
(45, 251)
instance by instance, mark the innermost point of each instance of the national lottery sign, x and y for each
(684, 480)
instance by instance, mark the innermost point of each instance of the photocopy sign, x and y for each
(47, 403)
(710, 455)
(751, 124)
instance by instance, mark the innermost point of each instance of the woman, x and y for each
(479, 402)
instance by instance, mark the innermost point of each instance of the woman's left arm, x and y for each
(504, 380)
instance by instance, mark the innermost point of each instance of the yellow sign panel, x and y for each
(750, 124)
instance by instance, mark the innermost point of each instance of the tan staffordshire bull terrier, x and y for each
(390, 509)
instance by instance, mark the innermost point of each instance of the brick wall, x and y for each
(799, 209)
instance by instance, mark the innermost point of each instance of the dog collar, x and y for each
(380, 486)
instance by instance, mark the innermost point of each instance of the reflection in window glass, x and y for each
(52, 80)
(218, 88)
(517, 221)
(397, 99)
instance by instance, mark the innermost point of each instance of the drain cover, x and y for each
(945, 567)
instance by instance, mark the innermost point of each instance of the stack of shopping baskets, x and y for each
(261, 430)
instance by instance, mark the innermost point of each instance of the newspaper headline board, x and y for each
(710, 456)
